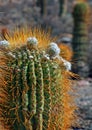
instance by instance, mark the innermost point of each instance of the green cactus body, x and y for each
(39, 92)
(56, 91)
(34, 89)
(32, 86)
(80, 35)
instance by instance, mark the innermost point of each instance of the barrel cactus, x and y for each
(35, 85)
(80, 37)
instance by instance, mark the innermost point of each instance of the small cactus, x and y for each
(34, 84)
(80, 35)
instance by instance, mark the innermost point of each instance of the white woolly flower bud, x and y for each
(53, 50)
(4, 43)
(67, 65)
(32, 41)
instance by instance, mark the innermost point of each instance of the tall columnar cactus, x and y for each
(62, 7)
(80, 35)
(34, 83)
(42, 5)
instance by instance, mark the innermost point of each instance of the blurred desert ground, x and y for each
(25, 12)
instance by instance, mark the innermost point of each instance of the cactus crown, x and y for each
(34, 84)
(81, 11)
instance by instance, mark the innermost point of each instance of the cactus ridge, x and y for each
(47, 95)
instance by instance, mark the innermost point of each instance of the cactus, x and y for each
(34, 83)
(42, 5)
(62, 7)
(80, 34)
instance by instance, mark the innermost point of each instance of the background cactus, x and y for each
(34, 83)
(42, 5)
(62, 7)
(80, 37)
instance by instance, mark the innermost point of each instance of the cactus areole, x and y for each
(34, 83)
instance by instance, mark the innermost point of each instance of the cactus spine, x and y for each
(34, 84)
(80, 35)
